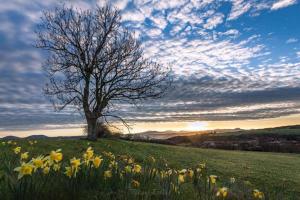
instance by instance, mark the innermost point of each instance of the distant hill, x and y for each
(10, 137)
(278, 139)
(169, 134)
(36, 137)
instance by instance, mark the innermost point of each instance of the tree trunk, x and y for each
(92, 128)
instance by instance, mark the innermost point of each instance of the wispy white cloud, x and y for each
(282, 4)
(198, 55)
(291, 40)
(214, 21)
(154, 32)
(159, 21)
(120, 4)
(133, 16)
(230, 33)
(239, 7)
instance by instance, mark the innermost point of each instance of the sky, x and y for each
(236, 64)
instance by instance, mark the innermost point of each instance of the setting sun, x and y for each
(197, 126)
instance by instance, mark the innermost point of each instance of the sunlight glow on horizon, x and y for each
(197, 126)
(168, 126)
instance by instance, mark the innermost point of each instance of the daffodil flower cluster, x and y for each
(42, 163)
(112, 168)
(258, 194)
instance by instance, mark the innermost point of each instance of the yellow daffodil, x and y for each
(163, 174)
(107, 174)
(38, 162)
(3, 143)
(56, 167)
(213, 179)
(75, 163)
(137, 168)
(73, 169)
(56, 156)
(258, 194)
(14, 143)
(24, 169)
(110, 155)
(183, 171)
(190, 173)
(9, 142)
(30, 142)
(86, 160)
(135, 183)
(46, 170)
(35, 142)
(154, 171)
(47, 161)
(90, 153)
(222, 192)
(97, 161)
(170, 172)
(24, 156)
(17, 150)
(181, 178)
(69, 172)
(130, 161)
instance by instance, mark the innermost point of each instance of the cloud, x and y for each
(154, 32)
(282, 4)
(133, 16)
(120, 4)
(161, 5)
(219, 106)
(196, 56)
(214, 21)
(292, 40)
(239, 7)
(230, 33)
(222, 71)
(159, 21)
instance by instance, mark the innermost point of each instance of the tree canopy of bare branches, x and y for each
(94, 63)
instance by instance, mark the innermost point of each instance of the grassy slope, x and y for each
(265, 170)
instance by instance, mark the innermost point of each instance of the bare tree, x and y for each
(94, 63)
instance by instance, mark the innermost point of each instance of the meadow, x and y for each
(118, 169)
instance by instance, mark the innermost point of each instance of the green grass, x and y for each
(266, 171)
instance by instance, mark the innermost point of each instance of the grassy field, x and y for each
(267, 171)
(281, 131)
(280, 139)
